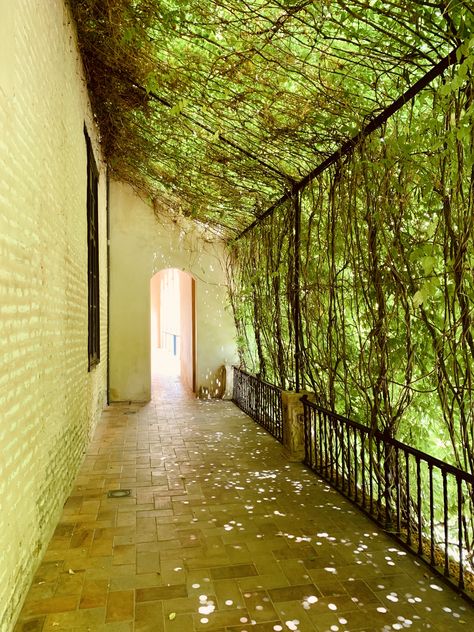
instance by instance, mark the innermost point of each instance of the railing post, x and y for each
(235, 384)
(229, 391)
(293, 426)
(296, 290)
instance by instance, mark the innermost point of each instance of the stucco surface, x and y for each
(140, 246)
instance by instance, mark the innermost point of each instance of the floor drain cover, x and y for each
(119, 493)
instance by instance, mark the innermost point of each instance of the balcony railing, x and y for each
(425, 503)
(260, 400)
(171, 342)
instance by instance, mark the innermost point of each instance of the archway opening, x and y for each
(172, 319)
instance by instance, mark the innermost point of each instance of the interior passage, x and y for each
(219, 533)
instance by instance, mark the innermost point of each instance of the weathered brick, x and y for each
(49, 403)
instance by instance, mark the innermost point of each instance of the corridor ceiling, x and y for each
(213, 108)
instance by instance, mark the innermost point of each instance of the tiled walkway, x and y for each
(221, 534)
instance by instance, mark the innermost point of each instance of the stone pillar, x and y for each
(229, 382)
(293, 426)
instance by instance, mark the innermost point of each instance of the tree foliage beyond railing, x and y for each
(385, 293)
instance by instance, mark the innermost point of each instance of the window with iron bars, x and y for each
(93, 256)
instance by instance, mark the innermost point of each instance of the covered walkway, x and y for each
(219, 533)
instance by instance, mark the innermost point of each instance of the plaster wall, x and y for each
(155, 292)
(140, 246)
(49, 402)
(186, 299)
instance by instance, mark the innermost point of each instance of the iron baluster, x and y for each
(319, 447)
(432, 557)
(371, 476)
(445, 523)
(306, 433)
(379, 477)
(460, 538)
(343, 456)
(331, 449)
(397, 488)
(418, 501)
(348, 451)
(356, 473)
(363, 437)
(327, 462)
(386, 463)
(407, 497)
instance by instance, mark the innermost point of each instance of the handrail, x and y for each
(419, 499)
(349, 145)
(260, 400)
(255, 377)
(469, 478)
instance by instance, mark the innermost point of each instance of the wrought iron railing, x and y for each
(425, 503)
(260, 400)
(170, 342)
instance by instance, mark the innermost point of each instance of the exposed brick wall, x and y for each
(49, 403)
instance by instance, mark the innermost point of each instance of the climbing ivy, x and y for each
(387, 285)
(213, 109)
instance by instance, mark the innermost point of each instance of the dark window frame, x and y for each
(93, 272)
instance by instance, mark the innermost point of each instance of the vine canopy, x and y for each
(213, 110)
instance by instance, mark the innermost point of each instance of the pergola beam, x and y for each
(352, 143)
(223, 139)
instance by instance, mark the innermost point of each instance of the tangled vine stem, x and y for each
(387, 283)
(215, 109)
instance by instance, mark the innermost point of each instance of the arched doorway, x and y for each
(173, 324)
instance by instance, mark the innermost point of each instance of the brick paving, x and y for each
(219, 534)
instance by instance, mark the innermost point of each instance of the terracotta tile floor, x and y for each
(219, 533)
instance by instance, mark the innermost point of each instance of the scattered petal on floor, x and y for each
(219, 533)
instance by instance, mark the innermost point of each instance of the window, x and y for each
(93, 256)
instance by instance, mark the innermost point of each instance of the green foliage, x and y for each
(213, 108)
(387, 284)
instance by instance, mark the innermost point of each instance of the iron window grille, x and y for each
(93, 257)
